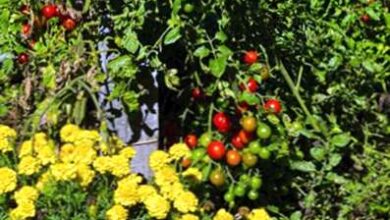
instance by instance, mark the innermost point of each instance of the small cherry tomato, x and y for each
(216, 150)
(256, 182)
(69, 24)
(185, 163)
(253, 195)
(191, 140)
(239, 190)
(205, 139)
(23, 58)
(264, 153)
(188, 8)
(222, 122)
(249, 159)
(26, 29)
(273, 105)
(246, 137)
(197, 93)
(49, 11)
(365, 18)
(250, 57)
(248, 123)
(263, 131)
(233, 158)
(254, 147)
(217, 177)
(237, 142)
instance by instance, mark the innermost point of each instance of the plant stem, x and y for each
(298, 96)
(210, 117)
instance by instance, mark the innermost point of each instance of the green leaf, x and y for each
(336, 178)
(172, 36)
(225, 51)
(304, 166)
(130, 41)
(202, 52)
(334, 160)
(387, 20)
(341, 140)
(218, 66)
(249, 98)
(373, 15)
(297, 215)
(49, 77)
(318, 153)
(221, 36)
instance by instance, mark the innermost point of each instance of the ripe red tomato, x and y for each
(252, 86)
(237, 142)
(250, 57)
(216, 150)
(233, 158)
(273, 105)
(365, 18)
(222, 122)
(69, 24)
(23, 58)
(49, 11)
(26, 29)
(24, 9)
(197, 93)
(191, 140)
(245, 136)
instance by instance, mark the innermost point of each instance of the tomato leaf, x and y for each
(341, 140)
(334, 160)
(304, 166)
(249, 98)
(202, 52)
(217, 66)
(297, 215)
(130, 41)
(318, 153)
(172, 36)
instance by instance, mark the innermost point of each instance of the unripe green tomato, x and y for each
(229, 197)
(263, 131)
(264, 153)
(256, 182)
(188, 8)
(253, 194)
(205, 139)
(239, 190)
(254, 147)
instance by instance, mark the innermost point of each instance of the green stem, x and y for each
(298, 96)
(209, 122)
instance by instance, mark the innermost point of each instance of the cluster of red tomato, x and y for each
(244, 148)
(48, 12)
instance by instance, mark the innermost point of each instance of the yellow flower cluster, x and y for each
(222, 214)
(8, 180)
(25, 199)
(117, 212)
(259, 214)
(7, 134)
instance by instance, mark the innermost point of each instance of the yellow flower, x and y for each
(63, 171)
(157, 206)
(193, 173)
(23, 211)
(158, 159)
(29, 165)
(259, 214)
(117, 212)
(145, 191)
(85, 174)
(127, 193)
(39, 140)
(67, 153)
(69, 132)
(102, 164)
(27, 194)
(128, 152)
(179, 151)
(186, 202)
(8, 180)
(165, 175)
(171, 191)
(26, 149)
(46, 154)
(120, 166)
(222, 214)
(189, 217)
(6, 133)
(84, 154)
(86, 138)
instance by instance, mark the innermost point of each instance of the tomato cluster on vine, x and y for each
(46, 13)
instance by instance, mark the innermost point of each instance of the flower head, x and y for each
(158, 159)
(259, 214)
(29, 165)
(179, 151)
(8, 180)
(117, 212)
(222, 214)
(157, 206)
(26, 194)
(186, 202)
